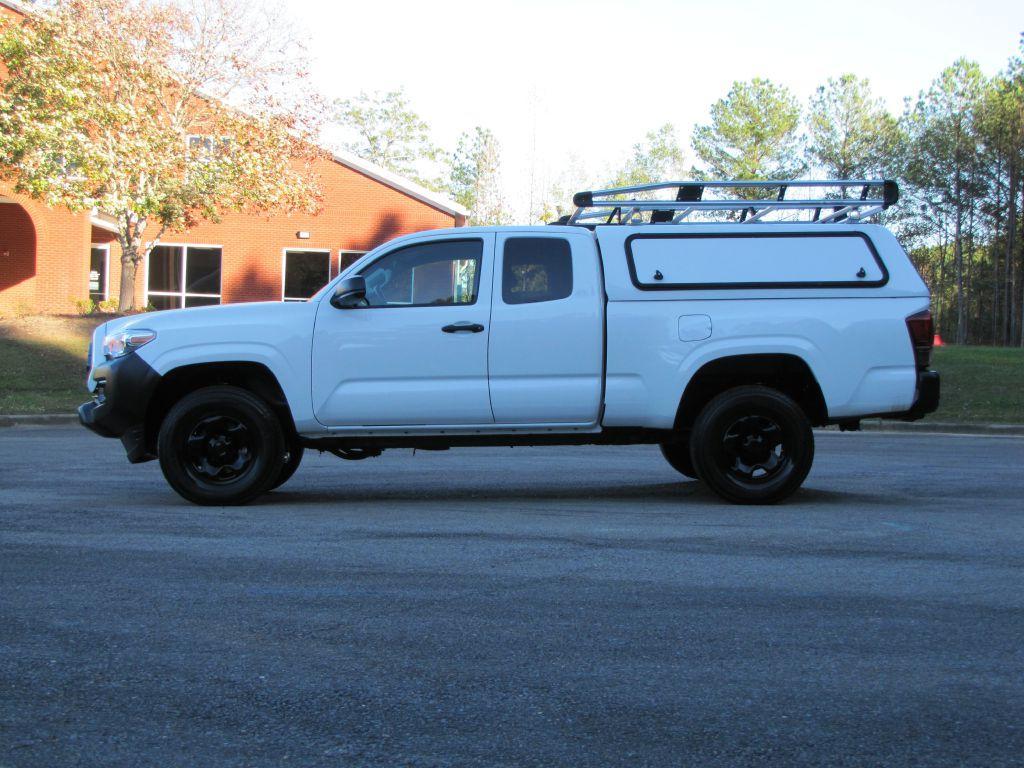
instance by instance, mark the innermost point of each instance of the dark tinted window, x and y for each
(348, 258)
(98, 274)
(201, 301)
(536, 269)
(305, 273)
(165, 269)
(440, 273)
(202, 270)
(168, 288)
(165, 302)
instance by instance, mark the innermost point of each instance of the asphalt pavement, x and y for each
(514, 607)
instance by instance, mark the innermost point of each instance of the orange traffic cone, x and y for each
(937, 341)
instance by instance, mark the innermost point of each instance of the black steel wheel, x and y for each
(752, 445)
(678, 457)
(220, 445)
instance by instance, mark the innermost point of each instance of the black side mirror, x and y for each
(349, 293)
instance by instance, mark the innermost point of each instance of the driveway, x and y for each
(514, 607)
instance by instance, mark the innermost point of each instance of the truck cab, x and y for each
(723, 341)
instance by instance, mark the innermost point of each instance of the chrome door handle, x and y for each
(463, 327)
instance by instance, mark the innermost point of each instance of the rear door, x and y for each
(546, 347)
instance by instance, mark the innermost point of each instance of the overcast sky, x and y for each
(563, 79)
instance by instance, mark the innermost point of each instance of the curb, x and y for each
(939, 427)
(39, 420)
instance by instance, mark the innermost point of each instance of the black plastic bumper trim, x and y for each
(129, 384)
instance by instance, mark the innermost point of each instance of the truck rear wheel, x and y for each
(221, 445)
(752, 445)
(678, 456)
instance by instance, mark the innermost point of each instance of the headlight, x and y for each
(125, 342)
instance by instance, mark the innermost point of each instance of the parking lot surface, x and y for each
(514, 607)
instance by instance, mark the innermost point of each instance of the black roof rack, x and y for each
(764, 201)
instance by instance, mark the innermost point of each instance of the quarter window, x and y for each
(536, 269)
(441, 273)
(183, 276)
(305, 273)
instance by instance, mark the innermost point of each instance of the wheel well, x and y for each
(254, 377)
(786, 373)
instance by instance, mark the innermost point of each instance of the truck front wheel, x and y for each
(221, 445)
(752, 445)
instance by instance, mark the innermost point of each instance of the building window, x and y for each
(305, 273)
(183, 276)
(347, 258)
(99, 272)
(536, 269)
(206, 146)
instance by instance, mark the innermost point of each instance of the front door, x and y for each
(416, 354)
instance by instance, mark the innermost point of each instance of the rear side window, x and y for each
(536, 269)
(763, 260)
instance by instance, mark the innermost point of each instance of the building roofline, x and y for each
(402, 184)
(365, 167)
(14, 5)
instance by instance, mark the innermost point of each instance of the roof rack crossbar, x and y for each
(621, 203)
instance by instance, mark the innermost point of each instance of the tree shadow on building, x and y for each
(17, 245)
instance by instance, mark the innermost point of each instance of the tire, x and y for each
(752, 445)
(220, 445)
(292, 458)
(678, 457)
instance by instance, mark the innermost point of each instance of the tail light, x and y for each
(922, 337)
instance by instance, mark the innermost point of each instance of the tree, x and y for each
(753, 134)
(852, 134)
(657, 158)
(475, 180)
(943, 165)
(389, 133)
(157, 113)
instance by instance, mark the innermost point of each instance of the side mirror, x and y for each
(349, 293)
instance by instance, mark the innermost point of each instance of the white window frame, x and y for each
(183, 294)
(284, 267)
(106, 266)
(344, 252)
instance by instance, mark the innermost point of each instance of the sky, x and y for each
(569, 86)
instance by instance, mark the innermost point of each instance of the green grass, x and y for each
(42, 371)
(42, 364)
(980, 385)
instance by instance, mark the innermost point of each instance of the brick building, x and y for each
(50, 258)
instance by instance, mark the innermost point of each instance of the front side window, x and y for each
(305, 273)
(441, 273)
(536, 269)
(183, 276)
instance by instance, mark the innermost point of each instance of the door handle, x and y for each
(463, 327)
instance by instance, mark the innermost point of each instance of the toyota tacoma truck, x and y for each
(721, 321)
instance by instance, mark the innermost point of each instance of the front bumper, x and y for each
(124, 388)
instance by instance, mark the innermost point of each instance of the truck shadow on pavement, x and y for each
(685, 491)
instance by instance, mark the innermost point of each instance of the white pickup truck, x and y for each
(638, 320)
